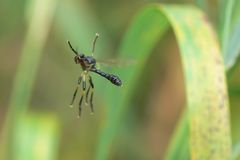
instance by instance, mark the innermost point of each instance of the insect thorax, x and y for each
(86, 62)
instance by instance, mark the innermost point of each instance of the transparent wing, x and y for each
(116, 62)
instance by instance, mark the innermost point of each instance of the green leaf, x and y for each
(236, 13)
(229, 20)
(233, 48)
(225, 13)
(202, 4)
(207, 100)
(179, 149)
(229, 12)
(236, 151)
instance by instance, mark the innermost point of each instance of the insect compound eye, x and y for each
(81, 55)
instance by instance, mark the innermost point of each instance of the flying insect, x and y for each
(88, 64)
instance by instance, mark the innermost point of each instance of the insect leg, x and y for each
(84, 84)
(91, 86)
(91, 102)
(75, 92)
(91, 82)
(87, 94)
(92, 91)
(83, 93)
(80, 106)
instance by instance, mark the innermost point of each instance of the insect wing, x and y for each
(116, 62)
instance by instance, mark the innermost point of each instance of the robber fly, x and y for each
(88, 64)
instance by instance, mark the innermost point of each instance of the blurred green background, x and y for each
(38, 77)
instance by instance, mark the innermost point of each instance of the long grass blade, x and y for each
(202, 4)
(236, 151)
(180, 139)
(225, 13)
(207, 100)
(38, 28)
(233, 48)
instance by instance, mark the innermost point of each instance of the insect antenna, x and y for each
(72, 48)
(94, 42)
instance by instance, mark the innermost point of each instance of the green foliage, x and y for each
(36, 138)
(233, 48)
(41, 17)
(209, 137)
(202, 4)
(229, 31)
(179, 148)
(203, 131)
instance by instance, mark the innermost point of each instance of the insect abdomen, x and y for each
(112, 78)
